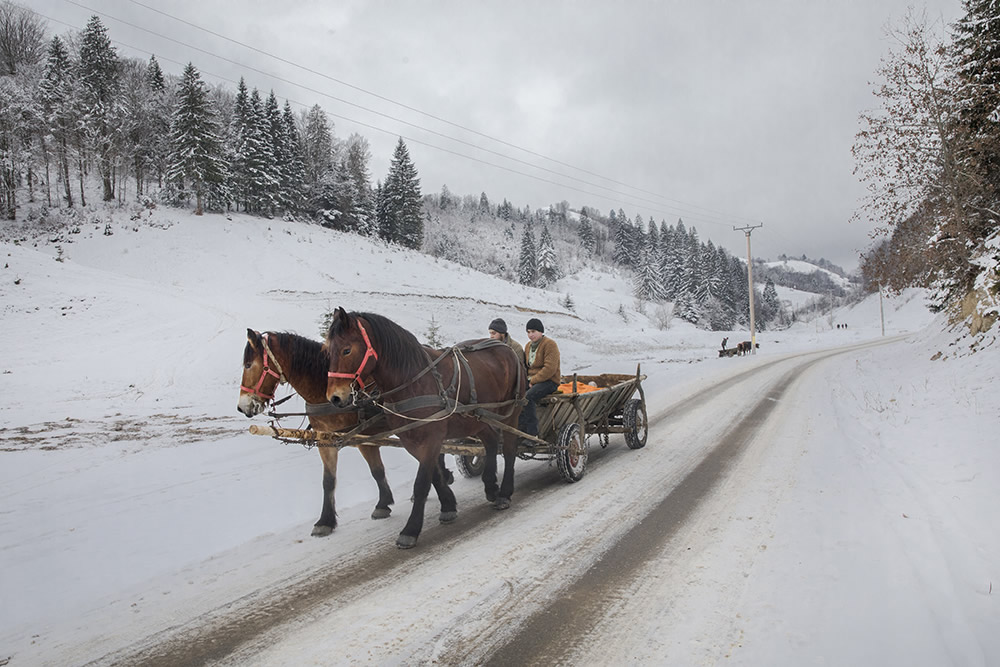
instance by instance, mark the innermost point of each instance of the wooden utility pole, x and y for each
(753, 325)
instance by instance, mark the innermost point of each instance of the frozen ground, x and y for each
(860, 529)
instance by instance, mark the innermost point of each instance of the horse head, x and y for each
(352, 358)
(261, 375)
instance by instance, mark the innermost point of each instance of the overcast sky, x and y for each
(720, 113)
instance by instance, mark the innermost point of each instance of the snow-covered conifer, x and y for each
(527, 266)
(548, 267)
(100, 87)
(195, 146)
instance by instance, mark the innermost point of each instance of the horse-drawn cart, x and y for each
(588, 405)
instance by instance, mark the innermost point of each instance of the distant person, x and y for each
(724, 341)
(498, 331)
(542, 358)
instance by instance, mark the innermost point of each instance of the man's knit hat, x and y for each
(534, 324)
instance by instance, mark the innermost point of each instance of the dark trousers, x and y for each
(528, 422)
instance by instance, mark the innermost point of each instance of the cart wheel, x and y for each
(636, 427)
(572, 453)
(470, 466)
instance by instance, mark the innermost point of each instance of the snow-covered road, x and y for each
(611, 568)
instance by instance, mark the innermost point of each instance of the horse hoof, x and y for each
(322, 531)
(491, 496)
(381, 513)
(406, 541)
(448, 517)
(502, 503)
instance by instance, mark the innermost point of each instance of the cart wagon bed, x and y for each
(565, 422)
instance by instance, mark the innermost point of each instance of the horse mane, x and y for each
(397, 346)
(308, 355)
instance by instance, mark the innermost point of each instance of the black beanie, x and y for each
(536, 324)
(499, 326)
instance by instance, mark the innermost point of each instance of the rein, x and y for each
(280, 374)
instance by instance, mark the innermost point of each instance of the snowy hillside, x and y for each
(799, 266)
(133, 494)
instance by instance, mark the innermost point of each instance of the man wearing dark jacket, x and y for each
(498, 331)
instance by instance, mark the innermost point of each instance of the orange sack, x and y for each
(581, 388)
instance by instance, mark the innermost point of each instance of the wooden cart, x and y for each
(565, 423)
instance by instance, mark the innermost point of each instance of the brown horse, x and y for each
(272, 358)
(486, 381)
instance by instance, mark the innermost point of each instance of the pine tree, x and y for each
(648, 283)
(59, 109)
(294, 171)
(711, 275)
(261, 179)
(527, 268)
(159, 119)
(195, 145)
(317, 152)
(622, 253)
(976, 50)
(770, 305)
(548, 269)
(741, 294)
(275, 139)
(679, 280)
(586, 235)
(357, 157)
(404, 223)
(666, 249)
(238, 152)
(100, 87)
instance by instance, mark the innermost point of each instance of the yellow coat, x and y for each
(546, 364)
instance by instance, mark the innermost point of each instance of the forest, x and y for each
(929, 155)
(77, 120)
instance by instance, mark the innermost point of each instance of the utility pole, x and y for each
(881, 312)
(753, 327)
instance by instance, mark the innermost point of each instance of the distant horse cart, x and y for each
(395, 391)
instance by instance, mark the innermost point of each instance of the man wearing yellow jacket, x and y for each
(541, 355)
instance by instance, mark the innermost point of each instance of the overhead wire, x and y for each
(418, 111)
(648, 203)
(709, 216)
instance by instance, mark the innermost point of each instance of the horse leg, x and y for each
(449, 476)
(507, 485)
(490, 442)
(449, 504)
(328, 516)
(427, 457)
(373, 456)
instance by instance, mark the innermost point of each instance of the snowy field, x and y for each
(132, 495)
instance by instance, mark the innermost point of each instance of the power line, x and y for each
(426, 114)
(649, 204)
(656, 206)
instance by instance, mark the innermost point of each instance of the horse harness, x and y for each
(373, 406)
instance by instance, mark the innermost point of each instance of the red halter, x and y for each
(369, 352)
(267, 371)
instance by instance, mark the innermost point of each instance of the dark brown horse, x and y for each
(428, 396)
(272, 358)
